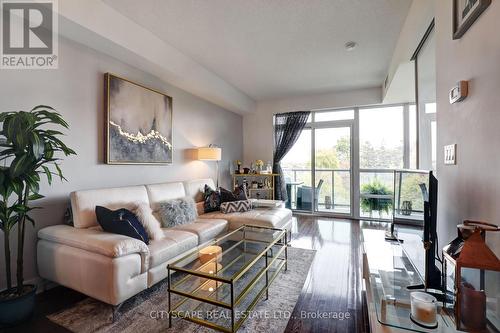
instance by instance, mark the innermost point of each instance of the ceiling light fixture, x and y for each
(349, 46)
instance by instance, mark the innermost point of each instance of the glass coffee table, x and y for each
(218, 284)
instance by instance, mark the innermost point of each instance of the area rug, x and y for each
(145, 312)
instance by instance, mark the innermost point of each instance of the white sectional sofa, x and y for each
(113, 268)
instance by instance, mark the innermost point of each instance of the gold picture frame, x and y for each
(465, 13)
(138, 126)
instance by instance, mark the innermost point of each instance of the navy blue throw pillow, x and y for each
(122, 222)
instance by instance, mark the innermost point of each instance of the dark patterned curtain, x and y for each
(287, 129)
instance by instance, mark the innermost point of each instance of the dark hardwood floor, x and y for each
(334, 284)
(333, 287)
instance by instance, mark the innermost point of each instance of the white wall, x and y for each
(76, 91)
(471, 189)
(258, 126)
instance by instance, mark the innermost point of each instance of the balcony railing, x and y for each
(328, 200)
(335, 193)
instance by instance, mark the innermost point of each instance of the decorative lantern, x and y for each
(471, 279)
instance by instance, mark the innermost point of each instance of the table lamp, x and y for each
(211, 153)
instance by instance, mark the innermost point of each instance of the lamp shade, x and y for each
(209, 154)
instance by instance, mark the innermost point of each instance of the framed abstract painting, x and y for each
(138, 124)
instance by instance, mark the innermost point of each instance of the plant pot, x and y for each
(18, 309)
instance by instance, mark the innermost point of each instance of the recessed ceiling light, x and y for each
(349, 46)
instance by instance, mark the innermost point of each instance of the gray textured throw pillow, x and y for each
(177, 211)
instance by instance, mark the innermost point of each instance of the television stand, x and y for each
(387, 272)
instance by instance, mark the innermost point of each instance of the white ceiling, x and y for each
(277, 48)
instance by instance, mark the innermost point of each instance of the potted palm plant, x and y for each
(29, 146)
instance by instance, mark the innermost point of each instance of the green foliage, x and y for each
(380, 157)
(326, 159)
(376, 204)
(410, 190)
(343, 152)
(27, 151)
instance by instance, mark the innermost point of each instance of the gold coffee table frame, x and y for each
(274, 251)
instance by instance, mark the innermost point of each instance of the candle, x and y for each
(423, 309)
(472, 307)
(210, 252)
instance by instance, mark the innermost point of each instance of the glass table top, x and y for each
(228, 257)
(390, 273)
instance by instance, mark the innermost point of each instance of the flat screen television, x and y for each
(432, 277)
(415, 217)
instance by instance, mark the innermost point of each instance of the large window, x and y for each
(381, 150)
(320, 172)
(381, 138)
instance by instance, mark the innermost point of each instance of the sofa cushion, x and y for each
(96, 241)
(174, 243)
(83, 203)
(195, 188)
(162, 192)
(264, 217)
(206, 229)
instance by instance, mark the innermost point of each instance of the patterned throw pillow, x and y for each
(211, 199)
(238, 194)
(122, 222)
(236, 206)
(177, 211)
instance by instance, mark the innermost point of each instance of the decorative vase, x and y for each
(18, 309)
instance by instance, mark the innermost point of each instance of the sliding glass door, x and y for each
(318, 168)
(332, 169)
(296, 167)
